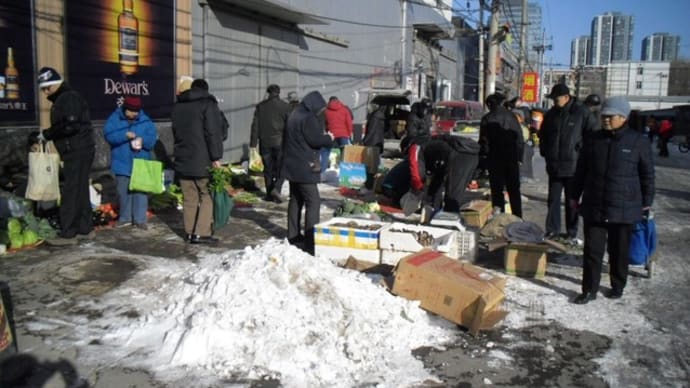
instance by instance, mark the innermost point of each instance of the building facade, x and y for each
(612, 38)
(580, 51)
(660, 46)
(648, 79)
(511, 14)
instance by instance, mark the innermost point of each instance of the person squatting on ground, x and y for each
(339, 123)
(198, 133)
(502, 143)
(562, 132)
(615, 177)
(72, 133)
(268, 126)
(304, 137)
(131, 135)
(435, 172)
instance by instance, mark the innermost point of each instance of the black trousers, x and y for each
(273, 164)
(303, 195)
(553, 216)
(75, 206)
(505, 174)
(461, 167)
(616, 239)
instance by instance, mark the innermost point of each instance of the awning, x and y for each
(276, 9)
(434, 31)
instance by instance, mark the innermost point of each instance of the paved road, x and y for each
(548, 349)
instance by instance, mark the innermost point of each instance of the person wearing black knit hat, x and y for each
(72, 133)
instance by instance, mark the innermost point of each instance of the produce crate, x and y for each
(406, 238)
(361, 235)
(526, 260)
(476, 213)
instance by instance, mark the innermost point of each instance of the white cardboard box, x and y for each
(341, 255)
(401, 237)
(328, 234)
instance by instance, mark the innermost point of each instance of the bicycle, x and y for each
(684, 146)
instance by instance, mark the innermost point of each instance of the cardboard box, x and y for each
(332, 233)
(402, 237)
(340, 254)
(476, 213)
(460, 292)
(525, 259)
(368, 156)
(353, 175)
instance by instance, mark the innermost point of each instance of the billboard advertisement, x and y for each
(117, 48)
(530, 87)
(17, 78)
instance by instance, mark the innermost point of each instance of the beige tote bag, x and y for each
(44, 175)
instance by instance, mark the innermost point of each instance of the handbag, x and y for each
(643, 241)
(255, 162)
(147, 176)
(222, 207)
(44, 179)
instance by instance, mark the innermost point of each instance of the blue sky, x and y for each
(565, 20)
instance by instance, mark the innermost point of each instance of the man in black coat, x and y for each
(376, 128)
(305, 134)
(501, 141)
(72, 133)
(419, 120)
(198, 132)
(560, 139)
(268, 126)
(615, 176)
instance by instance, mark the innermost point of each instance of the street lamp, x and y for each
(661, 83)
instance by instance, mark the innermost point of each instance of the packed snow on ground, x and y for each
(270, 311)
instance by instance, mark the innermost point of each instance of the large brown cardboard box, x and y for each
(476, 213)
(460, 292)
(526, 260)
(368, 156)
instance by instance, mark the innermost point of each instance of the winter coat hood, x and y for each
(314, 102)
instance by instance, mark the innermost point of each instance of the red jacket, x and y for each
(338, 119)
(666, 129)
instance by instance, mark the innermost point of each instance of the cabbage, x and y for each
(16, 240)
(30, 237)
(14, 226)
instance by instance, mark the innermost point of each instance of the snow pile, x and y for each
(276, 311)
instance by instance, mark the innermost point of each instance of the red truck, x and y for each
(447, 113)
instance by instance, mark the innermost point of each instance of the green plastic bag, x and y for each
(147, 176)
(222, 206)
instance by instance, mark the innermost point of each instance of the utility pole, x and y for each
(403, 43)
(480, 81)
(523, 45)
(540, 50)
(493, 48)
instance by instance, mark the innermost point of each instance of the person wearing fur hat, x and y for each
(131, 135)
(72, 133)
(613, 189)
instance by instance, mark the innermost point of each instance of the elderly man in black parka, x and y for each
(304, 136)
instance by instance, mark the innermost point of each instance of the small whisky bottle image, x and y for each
(128, 36)
(11, 77)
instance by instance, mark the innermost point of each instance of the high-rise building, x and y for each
(511, 13)
(612, 38)
(660, 46)
(579, 51)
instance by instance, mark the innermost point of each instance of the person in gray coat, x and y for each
(615, 178)
(305, 134)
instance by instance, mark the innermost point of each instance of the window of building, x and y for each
(638, 85)
(640, 70)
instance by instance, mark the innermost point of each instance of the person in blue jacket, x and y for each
(131, 135)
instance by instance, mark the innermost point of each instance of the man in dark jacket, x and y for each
(376, 128)
(198, 133)
(419, 120)
(72, 133)
(268, 126)
(304, 136)
(560, 139)
(501, 141)
(615, 176)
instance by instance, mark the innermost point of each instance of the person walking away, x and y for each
(593, 103)
(375, 127)
(418, 124)
(501, 141)
(562, 132)
(665, 135)
(293, 100)
(339, 123)
(304, 136)
(526, 171)
(72, 133)
(268, 125)
(198, 146)
(615, 180)
(131, 135)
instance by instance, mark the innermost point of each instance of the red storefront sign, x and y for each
(530, 87)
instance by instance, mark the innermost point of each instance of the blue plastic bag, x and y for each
(643, 241)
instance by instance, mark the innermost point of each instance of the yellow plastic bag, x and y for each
(255, 162)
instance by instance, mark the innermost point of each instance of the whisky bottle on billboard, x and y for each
(128, 36)
(11, 77)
